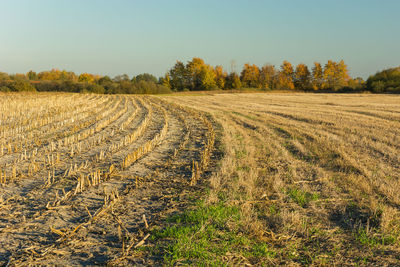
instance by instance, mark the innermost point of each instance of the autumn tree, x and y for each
(194, 69)
(302, 78)
(329, 75)
(86, 77)
(335, 75)
(55, 75)
(165, 81)
(208, 78)
(356, 84)
(233, 81)
(342, 74)
(317, 76)
(47, 75)
(250, 76)
(67, 76)
(201, 75)
(51, 75)
(220, 77)
(285, 76)
(268, 76)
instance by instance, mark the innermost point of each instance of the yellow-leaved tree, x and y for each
(317, 76)
(285, 76)
(335, 75)
(250, 76)
(302, 78)
(220, 77)
(342, 74)
(86, 77)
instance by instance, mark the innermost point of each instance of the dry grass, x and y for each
(316, 177)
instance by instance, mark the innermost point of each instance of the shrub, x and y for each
(95, 88)
(4, 89)
(23, 86)
(144, 87)
(385, 81)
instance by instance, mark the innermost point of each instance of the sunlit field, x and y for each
(315, 176)
(235, 179)
(83, 176)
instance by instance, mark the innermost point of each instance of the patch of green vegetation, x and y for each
(240, 154)
(239, 137)
(371, 239)
(362, 261)
(262, 250)
(204, 235)
(273, 209)
(302, 198)
(243, 168)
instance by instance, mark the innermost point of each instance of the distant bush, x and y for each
(48, 86)
(92, 88)
(145, 87)
(145, 77)
(386, 81)
(21, 85)
(5, 89)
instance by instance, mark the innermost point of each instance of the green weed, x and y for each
(302, 198)
(204, 235)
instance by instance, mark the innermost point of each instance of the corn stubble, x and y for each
(315, 177)
(72, 165)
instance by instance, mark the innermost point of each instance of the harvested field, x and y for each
(303, 179)
(84, 177)
(316, 177)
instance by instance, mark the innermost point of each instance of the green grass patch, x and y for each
(239, 137)
(204, 235)
(370, 239)
(240, 154)
(243, 168)
(302, 198)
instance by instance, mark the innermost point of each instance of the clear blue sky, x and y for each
(121, 36)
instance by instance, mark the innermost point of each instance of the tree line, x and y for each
(65, 81)
(197, 75)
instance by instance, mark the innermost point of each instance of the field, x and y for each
(273, 179)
